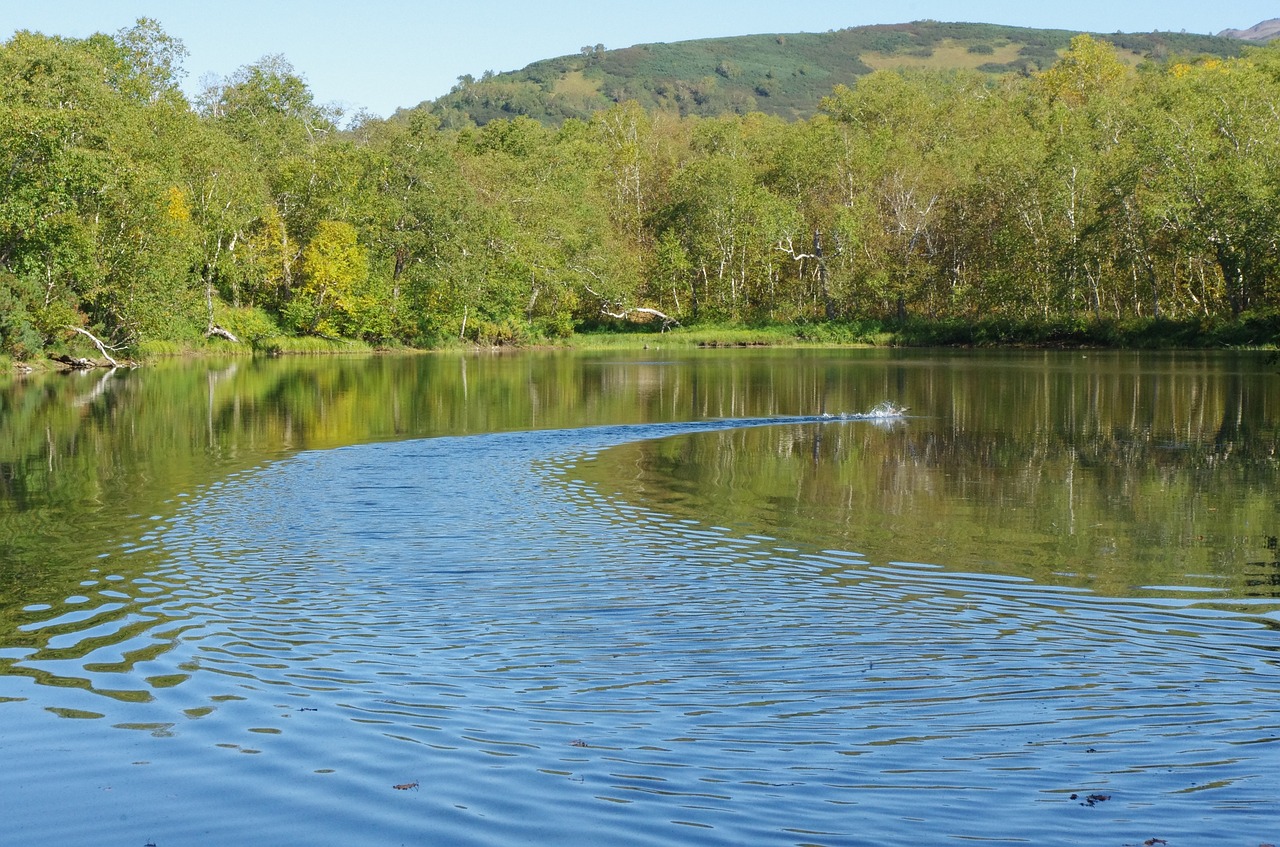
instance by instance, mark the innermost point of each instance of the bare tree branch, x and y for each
(790, 250)
(616, 310)
(102, 348)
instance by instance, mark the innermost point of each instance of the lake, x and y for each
(648, 598)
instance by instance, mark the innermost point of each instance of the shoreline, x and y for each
(1258, 333)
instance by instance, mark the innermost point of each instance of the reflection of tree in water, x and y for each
(1112, 478)
(1265, 581)
(1127, 511)
(1113, 472)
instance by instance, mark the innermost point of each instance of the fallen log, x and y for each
(625, 315)
(613, 309)
(219, 332)
(74, 362)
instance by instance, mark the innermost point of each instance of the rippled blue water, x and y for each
(533, 660)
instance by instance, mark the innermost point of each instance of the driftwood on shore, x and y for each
(81, 363)
(76, 363)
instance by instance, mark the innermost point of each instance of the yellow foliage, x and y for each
(1088, 68)
(177, 209)
(1182, 70)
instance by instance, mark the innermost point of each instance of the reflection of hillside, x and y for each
(1115, 478)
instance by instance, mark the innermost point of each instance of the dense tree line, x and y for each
(1091, 191)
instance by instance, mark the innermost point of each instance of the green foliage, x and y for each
(19, 336)
(252, 325)
(1130, 332)
(146, 62)
(784, 75)
(267, 107)
(507, 333)
(1087, 202)
(842, 332)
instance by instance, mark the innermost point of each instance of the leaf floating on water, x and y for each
(405, 786)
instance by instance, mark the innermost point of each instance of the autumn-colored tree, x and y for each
(334, 271)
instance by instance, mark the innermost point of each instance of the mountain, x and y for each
(783, 74)
(1265, 31)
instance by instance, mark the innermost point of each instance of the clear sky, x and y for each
(379, 55)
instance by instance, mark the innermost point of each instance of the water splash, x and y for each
(884, 410)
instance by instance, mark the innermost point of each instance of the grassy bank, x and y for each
(1150, 333)
(1251, 331)
(1133, 333)
(277, 345)
(850, 334)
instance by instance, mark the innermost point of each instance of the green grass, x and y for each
(286, 345)
(169, 349)
(1257, 331)
(157, 349)
(731, 335)
(1134, 333)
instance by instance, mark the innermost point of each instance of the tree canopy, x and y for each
(1093, 190)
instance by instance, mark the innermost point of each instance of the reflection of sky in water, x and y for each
(550, 661)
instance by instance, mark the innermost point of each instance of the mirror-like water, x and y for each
(584, 599)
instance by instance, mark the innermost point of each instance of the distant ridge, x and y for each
(784, 74)
(1265, 31)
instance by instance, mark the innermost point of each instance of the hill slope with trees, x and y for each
(784, 74)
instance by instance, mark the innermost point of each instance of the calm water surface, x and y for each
(657, 599)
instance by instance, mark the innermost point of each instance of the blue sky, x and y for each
(382, 54)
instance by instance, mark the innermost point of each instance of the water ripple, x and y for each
(542, 660)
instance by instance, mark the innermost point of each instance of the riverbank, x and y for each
(1249, 332)
(1252, 331)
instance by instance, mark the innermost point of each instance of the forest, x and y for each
(1069, 202)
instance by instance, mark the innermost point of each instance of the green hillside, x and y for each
(783, 75)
